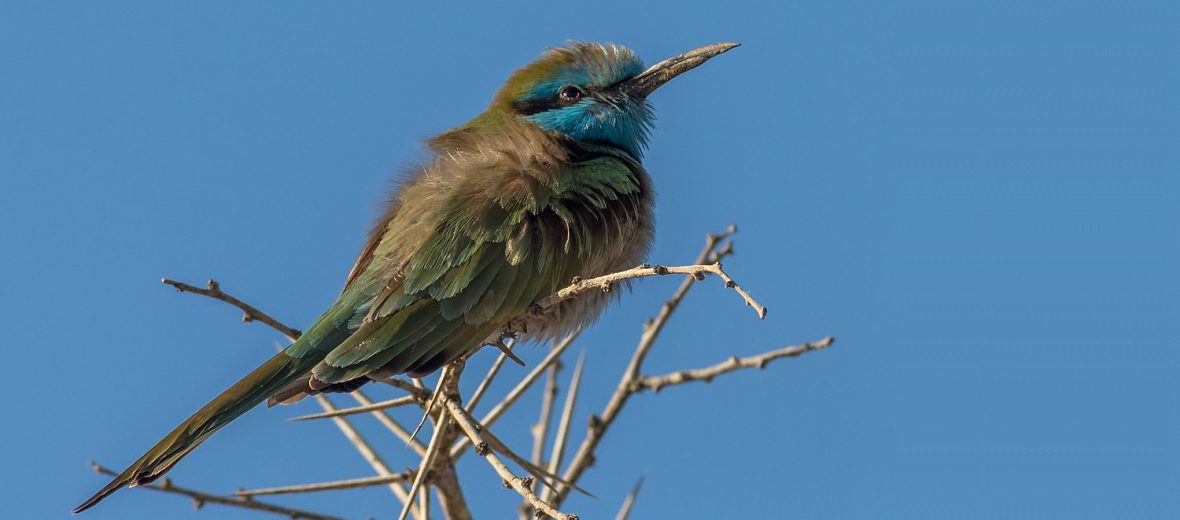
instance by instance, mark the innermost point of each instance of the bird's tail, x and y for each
(242, 396)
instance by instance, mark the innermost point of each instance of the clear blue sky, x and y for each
(981, 200)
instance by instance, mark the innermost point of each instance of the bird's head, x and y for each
(595, 93)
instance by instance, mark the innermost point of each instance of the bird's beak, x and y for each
(649, 80)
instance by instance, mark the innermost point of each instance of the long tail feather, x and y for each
(272, 376)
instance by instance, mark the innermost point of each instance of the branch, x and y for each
(201, 498)
(657, 383)
(400, 401)
(540, 430)
(458, 449)
(584, 457)
(366, 450)
(249, 313)
(421, 392)
(521, 485)
(607, 282)
(326, 486)
(563, 426)
(424, 469)
(390, 424)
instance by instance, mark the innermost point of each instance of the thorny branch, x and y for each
(437, 467)
(201, 498)
(249, 313)
(521, 485)
(657, 383)
(327, 486)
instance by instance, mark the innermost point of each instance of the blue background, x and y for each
(979, 199)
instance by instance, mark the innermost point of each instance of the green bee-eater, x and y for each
(544, 186)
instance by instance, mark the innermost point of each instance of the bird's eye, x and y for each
(570, 93)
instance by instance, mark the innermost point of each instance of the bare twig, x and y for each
(607, 282)
(201, 498)
(519, 390)
(249, 313)
(443, 476)
(438, 391)
(326, 486)
(415, 388)
(371, 407)
(656, 383)
(540, 431)
(563, 427)
(625, 511)
(599, 424)
(521, 485)
(424, 502)
(366, 451)
(390, 424)
(427, 460)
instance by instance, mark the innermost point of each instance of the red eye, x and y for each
(570, 93)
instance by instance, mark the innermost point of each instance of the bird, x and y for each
(546, 185)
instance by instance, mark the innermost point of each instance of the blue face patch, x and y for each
(601, 115)
(618, 121)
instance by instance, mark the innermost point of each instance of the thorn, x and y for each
(730, 284)
(481, 449)
(699, 276)
(528, 483)
(508, 352)
(506, 483)
(659, 269)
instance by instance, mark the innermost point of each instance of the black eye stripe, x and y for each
(528, 107)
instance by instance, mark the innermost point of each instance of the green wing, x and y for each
(493, 249)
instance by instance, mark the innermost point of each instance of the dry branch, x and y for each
(563, 426)
(606, 283)
(249, 313)
(371, 407)
(656, 383)
(326, 486)
(520, 389)
(521, 485)
(201, 498)
(367, 452)
(713, 252)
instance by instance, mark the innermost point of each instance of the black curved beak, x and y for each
(649, 80)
